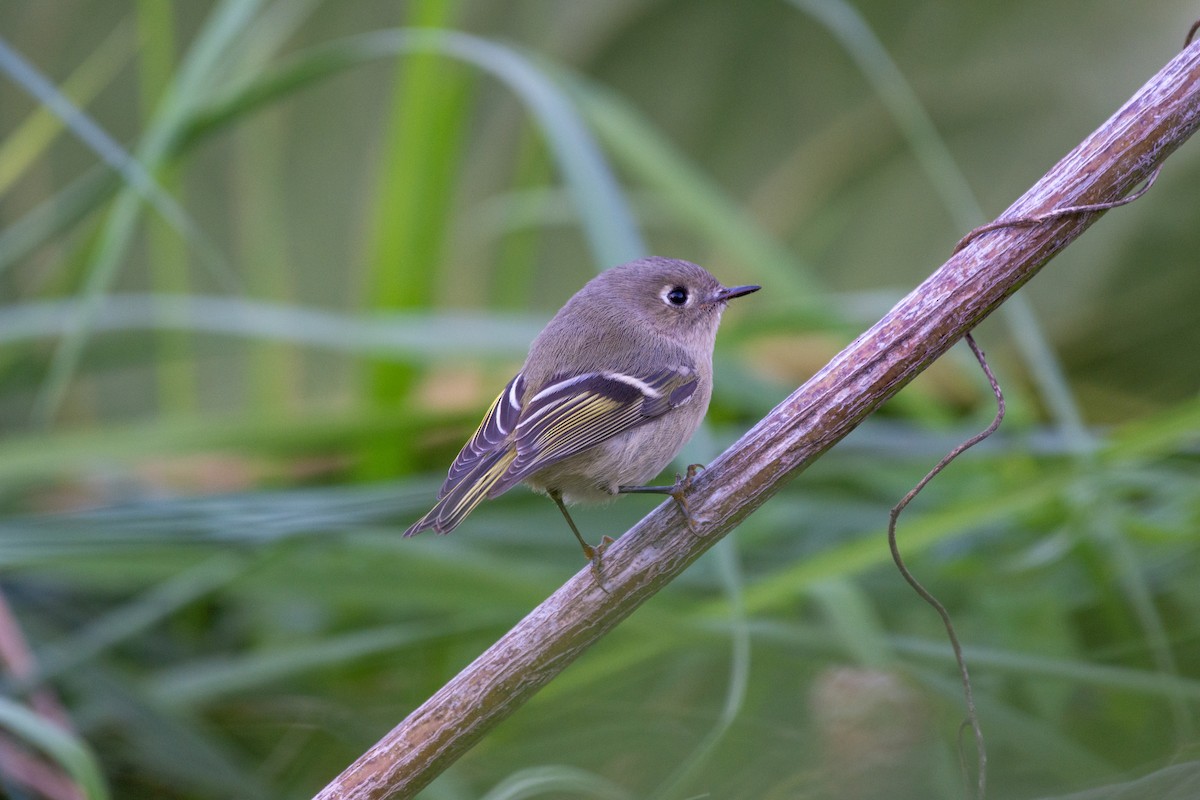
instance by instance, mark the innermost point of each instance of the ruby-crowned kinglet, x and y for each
(612, 389)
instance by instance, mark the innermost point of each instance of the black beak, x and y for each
(734, 291)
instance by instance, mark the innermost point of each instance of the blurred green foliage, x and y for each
(224, 393)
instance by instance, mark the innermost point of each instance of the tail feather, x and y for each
(468, 492)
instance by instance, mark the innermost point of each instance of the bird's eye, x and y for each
(676, 296)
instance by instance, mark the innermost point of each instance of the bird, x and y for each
(612, 389)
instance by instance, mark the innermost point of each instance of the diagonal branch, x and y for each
(974, 282)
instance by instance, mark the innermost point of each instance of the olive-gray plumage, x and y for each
(622, 322)
(611, 390)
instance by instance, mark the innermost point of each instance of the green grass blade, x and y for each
(49, 220)
(224, 25)
(606, 217)
(135, 617)
(176, 750)
(72, 755)
(176, 375)
(415, 336)
(202, 681)
(555, 781)
(414, 192)
(96, 138)
(31, 138)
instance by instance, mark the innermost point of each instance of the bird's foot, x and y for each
(595, 556)
(678, 493)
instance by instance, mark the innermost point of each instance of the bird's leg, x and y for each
(677, 492)
(592, 554)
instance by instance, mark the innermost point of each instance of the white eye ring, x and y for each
(676, 295)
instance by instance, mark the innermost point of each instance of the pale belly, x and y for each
(594, 475)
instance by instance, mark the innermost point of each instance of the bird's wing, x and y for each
(491, 435)
(573, 413)
(483, 460)
(470, 490)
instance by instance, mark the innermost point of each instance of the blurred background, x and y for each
(262, 288)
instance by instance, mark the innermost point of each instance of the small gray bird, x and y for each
(612, 389)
